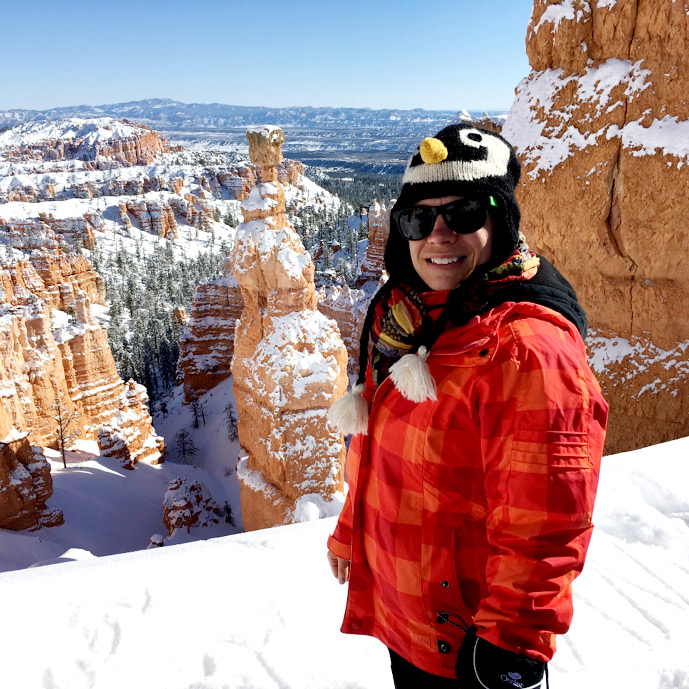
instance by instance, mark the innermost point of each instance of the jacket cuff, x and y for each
(340, 549)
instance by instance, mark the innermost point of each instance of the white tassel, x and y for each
(350, 413)
(412, 377)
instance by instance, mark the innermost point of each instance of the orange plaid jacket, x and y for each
(476, 508)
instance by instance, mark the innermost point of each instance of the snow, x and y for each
(266, 130)
(297, 353)
(545, 146)
(256, 201)
(669, 136)
(555, 13)
(261, 610)
(607, 351)
(90, 131)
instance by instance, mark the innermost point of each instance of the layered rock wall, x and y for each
(289, 364)
(53, 365)
(373, 265)
(25, 485)
(207, 346)
(126, 142)
(600, 125)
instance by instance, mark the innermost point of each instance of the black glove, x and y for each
(482, 665)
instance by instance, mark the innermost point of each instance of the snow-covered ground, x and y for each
(111, 510)
(261, 610)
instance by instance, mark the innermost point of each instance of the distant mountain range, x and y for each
(358, 139)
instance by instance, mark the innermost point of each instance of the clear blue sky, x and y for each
(433, 54)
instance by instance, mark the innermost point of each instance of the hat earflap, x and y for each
(412, 377)
(350, 413)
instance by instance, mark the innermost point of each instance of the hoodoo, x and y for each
(289, 362)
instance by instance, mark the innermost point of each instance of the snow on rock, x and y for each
(600, 125)
(73, 138)
(189, 504)
(347, 306)
(25, 485)
(207, 345)
(289, 363)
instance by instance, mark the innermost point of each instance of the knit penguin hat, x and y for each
(460, 160)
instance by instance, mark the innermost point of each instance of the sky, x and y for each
(431, 54)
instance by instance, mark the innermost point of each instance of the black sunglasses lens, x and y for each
(465, 215)
(415, 223)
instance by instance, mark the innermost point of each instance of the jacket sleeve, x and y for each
(340, 542)
(542, 423)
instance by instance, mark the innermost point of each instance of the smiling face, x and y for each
(444, 259)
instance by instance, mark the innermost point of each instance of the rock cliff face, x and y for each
(348, 305)
(289, 364)
(601, 125)
(121, 140)
(25, 485)
(207, 346)
(52, 364)
(154, 216)
(373, 265)
(45, 231)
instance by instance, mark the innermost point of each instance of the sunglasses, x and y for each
(462, 216)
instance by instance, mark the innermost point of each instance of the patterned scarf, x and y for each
(402, 321)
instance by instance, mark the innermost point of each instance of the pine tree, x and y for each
(186, 449)
(231, 422)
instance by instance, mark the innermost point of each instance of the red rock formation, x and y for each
(45, 231)
(195, 210)
(242, 179)
(373, 265)
(289, 364)
(127, 142)
(25, 485)
(600, 126)
(189, 504)
(207, 346)
(154, 216)
(43, 365)
(347, 307)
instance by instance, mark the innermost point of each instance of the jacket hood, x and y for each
(547, 288)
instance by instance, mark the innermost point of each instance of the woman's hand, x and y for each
(339, 567)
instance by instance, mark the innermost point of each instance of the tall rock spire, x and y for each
(289, 362)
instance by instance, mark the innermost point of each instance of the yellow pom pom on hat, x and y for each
(432, 150)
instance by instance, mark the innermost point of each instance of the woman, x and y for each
(478, 430)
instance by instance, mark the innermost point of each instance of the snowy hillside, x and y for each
(89, 132)
(155, 222)
(261, 610)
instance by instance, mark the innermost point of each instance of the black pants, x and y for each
(408, 676)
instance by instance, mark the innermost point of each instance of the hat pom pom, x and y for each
(350, 413)
(412, 377)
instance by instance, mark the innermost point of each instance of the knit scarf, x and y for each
(405, 319)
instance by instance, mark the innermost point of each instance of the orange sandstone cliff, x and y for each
(207, 346)
(601, 125)
(55, 359)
